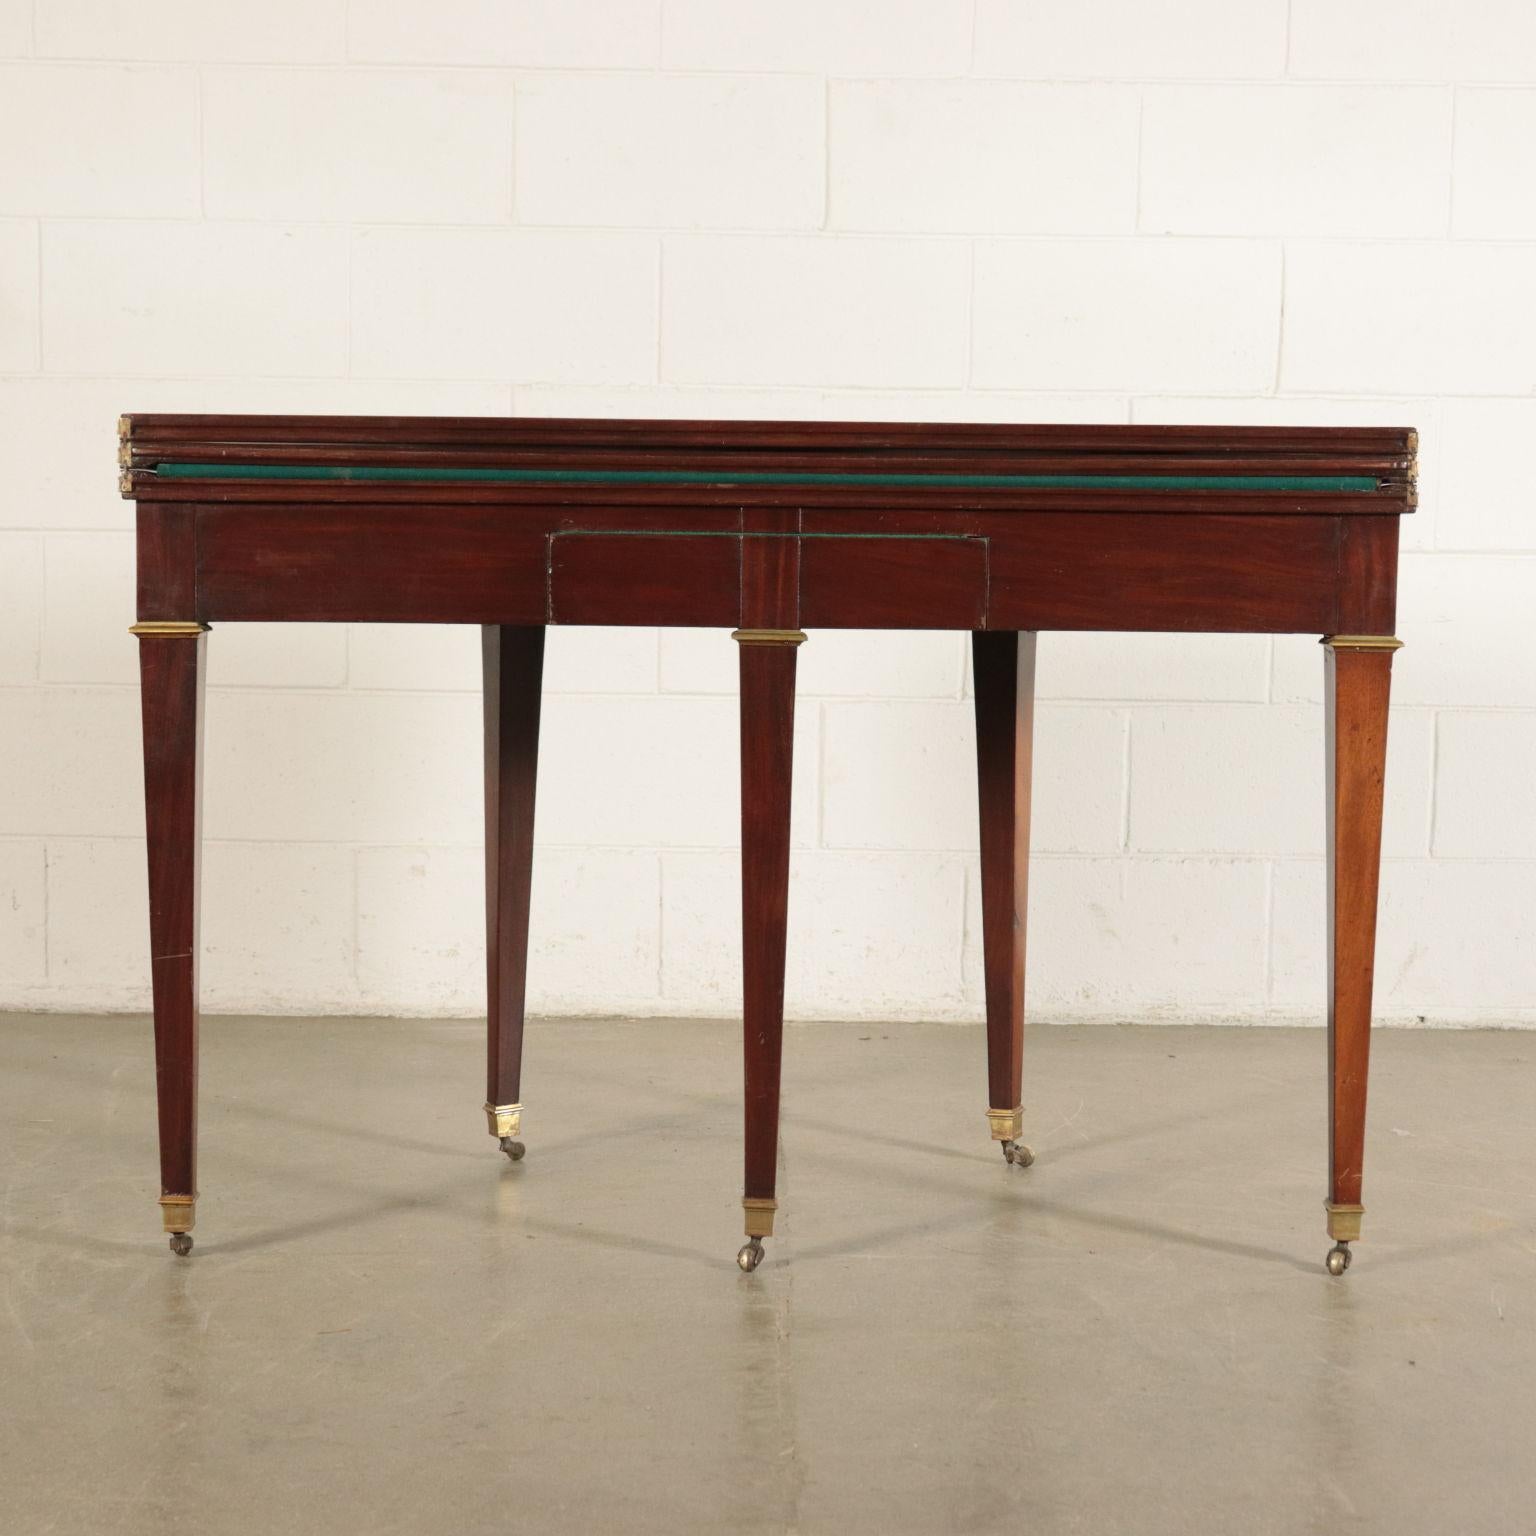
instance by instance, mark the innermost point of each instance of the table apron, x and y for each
(1011, 571)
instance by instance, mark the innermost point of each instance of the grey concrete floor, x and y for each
(386, 1327)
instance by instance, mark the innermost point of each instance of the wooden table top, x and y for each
(1325, 470)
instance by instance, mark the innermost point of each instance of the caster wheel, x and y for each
(514, 1149)
(1338, 1259)
(181, 1243)
(751, 1255)
(1018, 1154)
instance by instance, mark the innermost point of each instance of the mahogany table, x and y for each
(769, 529)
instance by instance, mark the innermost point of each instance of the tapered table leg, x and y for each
(513, 678)
(767, 757)
(171, 684)
(1358, 675)
(1003, 662)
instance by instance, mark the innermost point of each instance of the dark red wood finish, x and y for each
(856, 569)
(1358, 686)
(644, 578)
(884, 582)
(999, 561)
(167, 551)
(513, 675)
(1003, 665)
(583, 442)
(361, 563)
(771, 568)
(767, 757)
(171, 674)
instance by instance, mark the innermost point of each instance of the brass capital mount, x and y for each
(168, 629)
(1362, 642)
(768, 636)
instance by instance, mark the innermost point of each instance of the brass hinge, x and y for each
(124, 456)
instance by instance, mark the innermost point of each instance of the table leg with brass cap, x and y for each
(1003, 662)
(1357, 687)
(512, 681)
(171, 672)
(767, 660)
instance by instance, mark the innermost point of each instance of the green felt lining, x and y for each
(438, 474)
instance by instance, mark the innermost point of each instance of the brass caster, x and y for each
(1338, 1259)
(751, 1255)
(1018, 1154)
(514, 1149)
(181, 1243)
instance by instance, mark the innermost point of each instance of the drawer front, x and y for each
(852, 582)
(383, 564)
(645, 578)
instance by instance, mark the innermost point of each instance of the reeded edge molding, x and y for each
(1343, 1221)
(1007, 1124)
(1361, 642)
(179, 1212)
(768, 637)
(504, 1119)
(171, 628)
(759, 1215)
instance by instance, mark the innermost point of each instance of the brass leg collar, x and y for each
(1007, 1124)
(179, 1212)
(504, 1119)
(768, 636)
(168, 628)
(1343, 1221)
(1362, 642)
(759, 1215)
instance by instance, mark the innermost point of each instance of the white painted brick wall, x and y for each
(1451, 40)
(278, 31)
(19, 329)
(530, 34)
(87, 131)
(1285, 212)
(989, 156)
(1492, 195)
(689, 152)
(791, 309)
(547, 304)
(1295, 160)
(127, 297)
(838, 38)
(1432, 317)
(21, 606)
(15, 28)
(1146, 315)
(350, 146)
(1131, 39)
